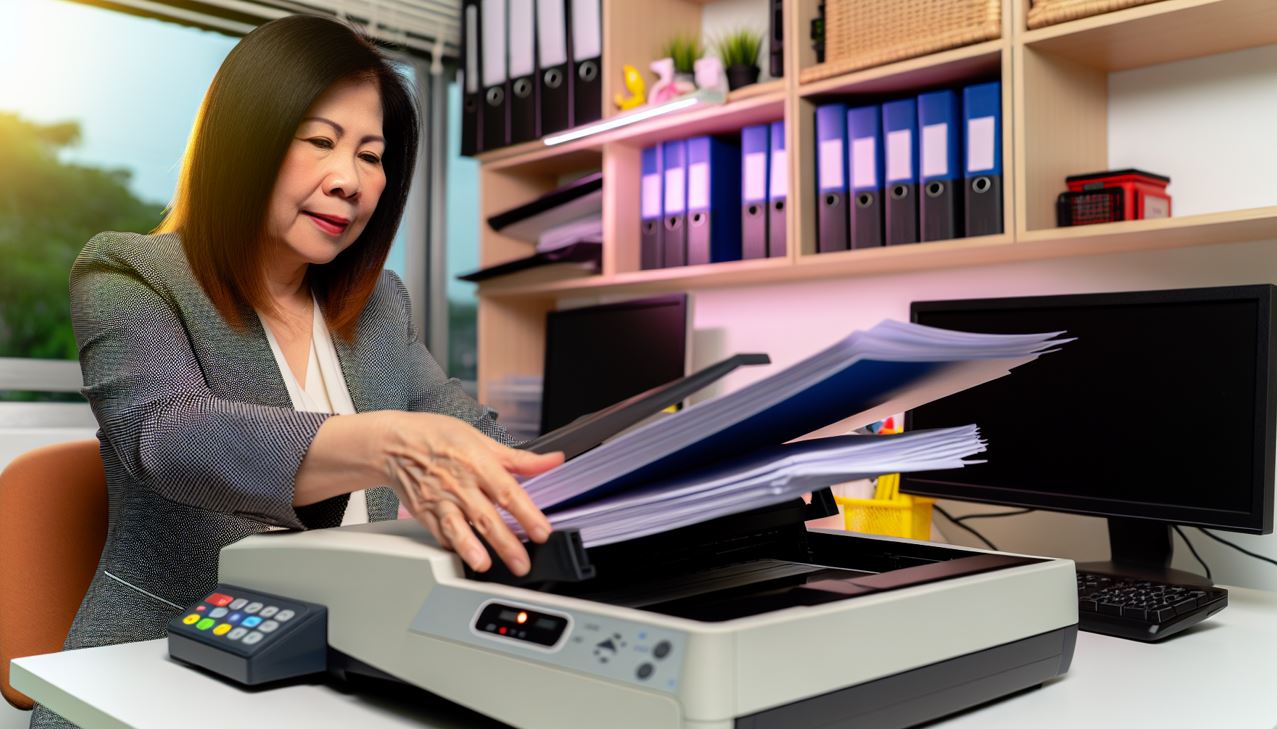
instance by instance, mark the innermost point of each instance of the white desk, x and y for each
(1221, 674)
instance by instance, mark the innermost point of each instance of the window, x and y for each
(92, 132)
(462, 252)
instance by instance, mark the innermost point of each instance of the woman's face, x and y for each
(332, 176)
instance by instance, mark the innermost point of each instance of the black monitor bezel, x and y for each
(651, 302)
(1257, 520)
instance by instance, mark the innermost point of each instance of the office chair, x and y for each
(53, 520)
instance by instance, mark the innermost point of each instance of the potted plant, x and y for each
(684, 50)
(739, 52)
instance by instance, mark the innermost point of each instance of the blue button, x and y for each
(234, 617)
(251, 622)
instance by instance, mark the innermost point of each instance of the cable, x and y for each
(1247, 552)
(1192, 549)
(992, 515)
(959, 524)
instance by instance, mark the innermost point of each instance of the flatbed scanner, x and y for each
(751, 621)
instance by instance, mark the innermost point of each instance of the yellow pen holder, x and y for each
(901, 516)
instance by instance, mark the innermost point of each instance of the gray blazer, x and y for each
(199, 438)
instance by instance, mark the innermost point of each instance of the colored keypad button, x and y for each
(201, 608)
(252, 607)
(222, 629)
(269, 626)
(284, 616)
(205, 624)
(234, 617)
(237, 633)
(251, 622)
(252, 638)
(268, 611)
(217, 612)
(239, 604)
(217, 599)
(191, 619)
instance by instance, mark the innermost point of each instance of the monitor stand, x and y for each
(1142, 549)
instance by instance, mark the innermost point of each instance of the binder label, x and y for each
(698, 186)
(756, 176)
(650, 197)
(935, 150)
(779, 185)
(470, 73)
(521, 47)
(864, 163)
(831, 175)
(980, 136)
(494, 42)
(900, 154)
(586, 30)
(675, 198)
(552, 47)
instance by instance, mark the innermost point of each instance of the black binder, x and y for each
(674, 193)
(940, 201)
(755, 161)
(472, 88)
(900, 137)
(776, 40)
(587, 61)
(982, 117)
(864, 139)
(525, 112)
(831, 178)
(777, 193)
(554, 89)
(496, 86)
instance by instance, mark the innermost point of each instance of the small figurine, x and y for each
(709, 74)
(663, 89)
(635, 85)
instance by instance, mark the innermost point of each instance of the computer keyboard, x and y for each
(1142, 610)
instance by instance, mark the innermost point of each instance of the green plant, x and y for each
(739, 47)
(685, 50)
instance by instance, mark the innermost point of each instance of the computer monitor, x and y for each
(596, 356)
(1161, 412)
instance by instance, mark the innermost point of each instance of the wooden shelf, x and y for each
(1233, 226)
(1160, 32)
(936, 69)
(732, 273)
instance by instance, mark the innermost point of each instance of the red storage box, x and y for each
(1106, 197)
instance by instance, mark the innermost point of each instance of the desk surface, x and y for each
(1221, 673)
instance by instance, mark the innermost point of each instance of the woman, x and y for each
(215, 351)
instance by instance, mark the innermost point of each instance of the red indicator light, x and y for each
(521, 618)
(501, 630)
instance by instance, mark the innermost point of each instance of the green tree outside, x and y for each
(48, 210)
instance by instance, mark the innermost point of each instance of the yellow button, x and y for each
(222, 629)
(191, 619)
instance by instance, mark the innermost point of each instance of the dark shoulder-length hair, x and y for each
(245, 125)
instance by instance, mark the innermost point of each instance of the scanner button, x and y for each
(285, 615)
(222, 629)
(269, 626)
(234, 617)
(207, 623)
(218, 599)
(645, 670)
(662, 649)
(237, 633)
(191, 619)
(253, 637)
(251, 622)
(239, 604)
(268, 611)
(217, 612)
(252, 607)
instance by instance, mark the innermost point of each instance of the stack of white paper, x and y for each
(764, 444)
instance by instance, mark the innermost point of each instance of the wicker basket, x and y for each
(1050, 12)
(864, 33)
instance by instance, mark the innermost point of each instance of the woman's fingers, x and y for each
(456, 529)
(505, 492)
(485, 520)
(527, 463)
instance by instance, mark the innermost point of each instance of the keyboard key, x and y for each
(1187, 605)
(284, 616)
(268, 611)
(253, 637)
(252, 607)
(1089, 606)
(1111, 608)
(1138, 613)
(269, 626)
(1163, 614)
(238, 604)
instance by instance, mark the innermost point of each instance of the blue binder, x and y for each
(864, 165)
(831, 178)
(940, 204)
(755, 172)
(650, 209)
(713, 197)
(900, 138)
(982, 161)
(777, 192)
(674, 195)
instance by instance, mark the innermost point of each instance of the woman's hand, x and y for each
(451, 478)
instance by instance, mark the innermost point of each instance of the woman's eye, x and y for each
(321, 142)
(371, 159)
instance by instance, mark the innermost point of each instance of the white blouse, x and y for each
(325, 391)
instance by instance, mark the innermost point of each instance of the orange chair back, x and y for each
(53, 520)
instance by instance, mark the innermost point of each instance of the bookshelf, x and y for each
(1055, 116)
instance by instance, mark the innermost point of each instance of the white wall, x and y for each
(1206, 123)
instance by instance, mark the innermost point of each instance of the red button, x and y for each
(217, 599)
(200, 608)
